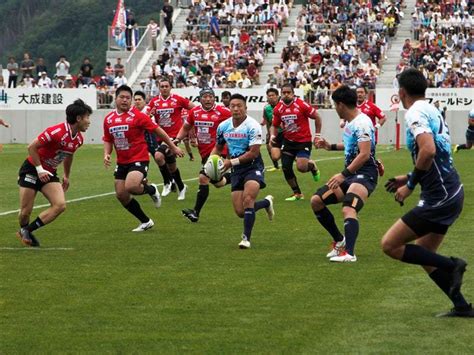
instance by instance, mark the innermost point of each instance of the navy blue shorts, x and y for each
(297, 149)
(470, 134)
(369, 182)
(241, 174)
(445, 214)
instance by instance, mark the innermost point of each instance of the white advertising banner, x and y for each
(256, 98)
(45, 99)
(453, 99)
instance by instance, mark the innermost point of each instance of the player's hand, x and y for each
(335, 181)
(322, 143)
(402, 193)
(193, 142)
(107, 161)
(342, 123)
(273, 140)
(227, 165)
(394, 183)
(44, 176)
(177, 151)
(317, 139)
(65, 183)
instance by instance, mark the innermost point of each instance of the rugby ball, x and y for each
(214, 167)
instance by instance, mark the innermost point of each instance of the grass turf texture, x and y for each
(187, 287)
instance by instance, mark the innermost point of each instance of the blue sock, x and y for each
(326, 218)
(351, 230)
(249, 220)
(416, 254)
(261, 204)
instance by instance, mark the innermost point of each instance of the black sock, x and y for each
(462, 146)
(134, 208)
(191, 155)
(351, 230)
(275, 164)
(326, 218)
(415, 254)
(296, 188)
(249, 220)
(443, 280)
(37, 223)
(202, 194)
(312, 168)
(149, 189)
(177, 179)
(166, 174)
(261, 204)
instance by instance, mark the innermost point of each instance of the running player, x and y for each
(243, 136)
(54, 145)
(293, 115)
(166, 109)
(187, 140)
(204, 120)
(273, 152)
(355, 183)
(441, 200)
(469, 134)
(124, 129)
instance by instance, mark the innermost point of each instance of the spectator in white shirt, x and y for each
(292, 39)
(62, 67)
(120, 80)
(44, 81)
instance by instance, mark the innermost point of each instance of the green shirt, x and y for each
(268, 115)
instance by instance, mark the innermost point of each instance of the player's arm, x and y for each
(67, 163)
(164, 136)
(317, 125)
(323, 143)
(33, 152)
(108, 146)
(380, 117)
(276, 123)
(184, 131)
(3, 123)
(247, 157)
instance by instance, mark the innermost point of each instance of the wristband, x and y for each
(234, 161)
(334, 146)
(317, 135)
(346, 172)
(414, 177)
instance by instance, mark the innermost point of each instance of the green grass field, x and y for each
(94, 286)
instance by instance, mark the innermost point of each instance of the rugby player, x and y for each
(274, 152)
(469, 134)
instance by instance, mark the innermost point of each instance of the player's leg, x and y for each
(176, 175)
(189, 150)
(27, 200)
(319, 202)
(304, 164)
(201, 198)
(469, 141)
(287, 159)
(248, 197)
(353, 201)
(135, 187)
(269, 150)
(160, 159)
(442, 278)
(126, 199)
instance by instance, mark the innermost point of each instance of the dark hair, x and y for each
(140, 93)
(163, 79)
(288, 85)
(123, 88)
(346, 95)
(238, 97)
(364, 87)
(226, 93)
(77, 108)
(413, 82)
(275, 91)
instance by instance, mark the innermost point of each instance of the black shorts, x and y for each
(470, 135)
(241, 174)
(297, 149)
(170, 158)
(425, 218)
(278, 140)
(122, 170)
(28, 177)
(369, 182)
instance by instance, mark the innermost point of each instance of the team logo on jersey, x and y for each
(118, 120)
(129, 119)
(165, 104)
(70, 145)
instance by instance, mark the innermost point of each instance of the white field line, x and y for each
(187, 180)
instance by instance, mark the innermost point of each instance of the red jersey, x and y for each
(294, 118)
(205, 125)
(126, 131)
(167, 112)
(57, 143)
(371, 110)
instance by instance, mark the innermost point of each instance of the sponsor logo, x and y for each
(123, 128)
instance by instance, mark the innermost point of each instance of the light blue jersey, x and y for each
(360, 129)
(240, 138)
(442, 180)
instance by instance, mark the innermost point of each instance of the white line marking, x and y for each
(193, 179)
(30, 248)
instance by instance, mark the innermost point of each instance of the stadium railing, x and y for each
(116, 37)
(203, 33)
